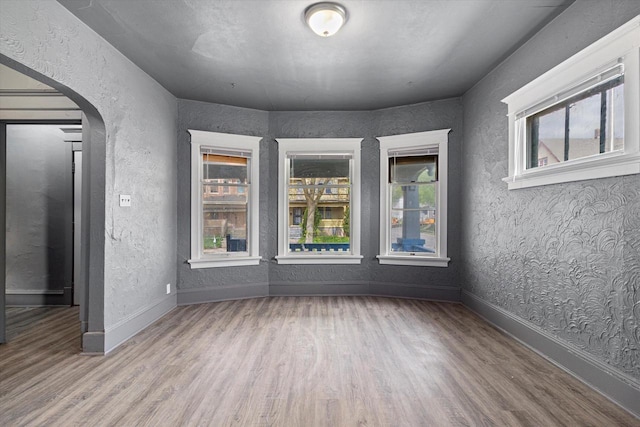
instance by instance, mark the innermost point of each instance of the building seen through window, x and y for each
(413, 187)
(587, 124)
(224, 213)
(318, 204)
(413, 199)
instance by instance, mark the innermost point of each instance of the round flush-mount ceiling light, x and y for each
(325, 19)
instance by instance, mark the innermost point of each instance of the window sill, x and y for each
(224, 262)
(319, 259)
(602, 166)
(417, 260)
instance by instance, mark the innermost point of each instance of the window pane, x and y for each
(550, 137)
(413, 169)
(584, 127)
(229, 168)
(615, 119)
(413, 218)
(330, 231)
(590, 123)
(416, 196)
(224, 228)
(225, 201)
(413, 231)
(319, 168)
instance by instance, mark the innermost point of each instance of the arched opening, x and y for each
(92, 214)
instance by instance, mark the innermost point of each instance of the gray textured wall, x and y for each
(564, 257)
(417, 118)
(39, 203)
(300, 279)
(218, 118)
(140, 123)
(323, 125)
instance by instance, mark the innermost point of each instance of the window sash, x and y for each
(315, 167)
(224, 165)
(532, 135)
(610, 73)
(290, 156)
(392, 209)
(397, 163)
(226, 184)
(212, 156)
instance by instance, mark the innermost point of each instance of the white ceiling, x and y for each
(260, 54)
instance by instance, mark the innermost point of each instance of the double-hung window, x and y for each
(580, 119)
(413, 199)
(319, 201)
(224, 199)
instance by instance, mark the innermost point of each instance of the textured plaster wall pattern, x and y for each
(564, 257)
(441, 114)
(324, 125)
(140, 120)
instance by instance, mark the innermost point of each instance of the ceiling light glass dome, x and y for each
(325, 19)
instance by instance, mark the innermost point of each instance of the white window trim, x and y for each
(228, 142)
(622, 46)
(436, 138)
(318, 146)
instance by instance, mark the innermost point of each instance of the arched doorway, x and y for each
(92, 213)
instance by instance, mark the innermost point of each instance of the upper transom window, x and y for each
(586, 124)
(579, 120)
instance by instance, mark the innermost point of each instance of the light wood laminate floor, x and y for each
(293, 361)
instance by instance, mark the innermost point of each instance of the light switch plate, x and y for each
(125, 200)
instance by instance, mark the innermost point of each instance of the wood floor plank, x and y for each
(292, 361)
